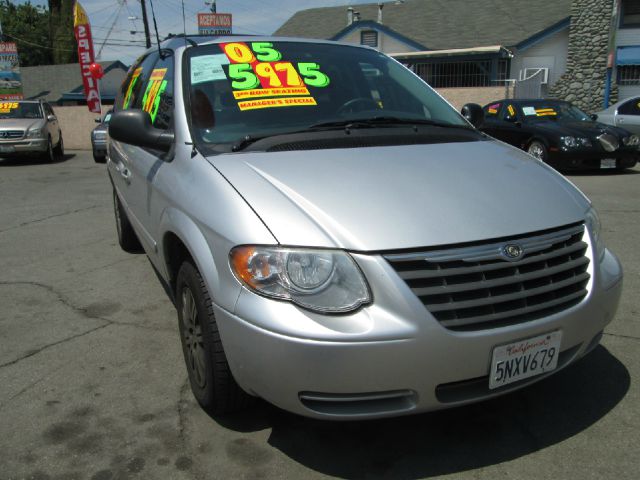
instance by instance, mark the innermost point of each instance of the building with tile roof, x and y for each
(62, 84)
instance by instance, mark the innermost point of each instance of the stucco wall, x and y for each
(481, 95)
(550, 53)
(76, 124)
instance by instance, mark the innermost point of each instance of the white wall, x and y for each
(627, 37)
(386, 43)
(550, 53)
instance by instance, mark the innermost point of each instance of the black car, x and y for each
(560, 134)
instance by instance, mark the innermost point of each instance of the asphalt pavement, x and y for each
(93, 386)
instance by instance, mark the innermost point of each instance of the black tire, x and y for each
(99, 158)
(49, 155)
(538, 150)
(127, 238)
(211, 380)
(59, 150)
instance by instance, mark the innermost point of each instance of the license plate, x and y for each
(525, 358)
(7, 149)
(608, 163)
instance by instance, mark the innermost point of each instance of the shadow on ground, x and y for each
(452, 440)
(596, 172)
(27, 160)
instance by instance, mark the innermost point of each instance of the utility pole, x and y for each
(213, 5)
(145, 22)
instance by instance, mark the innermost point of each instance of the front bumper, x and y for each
(19, 147)
(391, 357)
(590, 159)
(99, 147)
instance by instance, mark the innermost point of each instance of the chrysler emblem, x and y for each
(512, 251)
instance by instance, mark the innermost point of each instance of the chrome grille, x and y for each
(476, 287)
(11, 134)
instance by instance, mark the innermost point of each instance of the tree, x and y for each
(61, 31)
(28, 26)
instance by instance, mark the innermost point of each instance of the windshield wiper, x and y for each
(382, 121)
(347, 125)
(245, 142)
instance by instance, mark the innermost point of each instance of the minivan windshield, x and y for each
(259, 89)
(20, 110)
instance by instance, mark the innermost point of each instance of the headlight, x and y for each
(99, 135)
(631, 141)
(327, 281)
(575, 142)
(592, 221)
(35, 133)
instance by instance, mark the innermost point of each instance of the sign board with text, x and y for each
(214, 23)
(10, 81)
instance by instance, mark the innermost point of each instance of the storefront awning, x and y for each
(628, 56)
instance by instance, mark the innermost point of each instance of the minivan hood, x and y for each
(387, 198)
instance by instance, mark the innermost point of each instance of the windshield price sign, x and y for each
(214, 23)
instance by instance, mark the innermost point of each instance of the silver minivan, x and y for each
(339, 241)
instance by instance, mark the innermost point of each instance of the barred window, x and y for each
(369, 38)
(465, 73)
(630, 13)
(628, 75)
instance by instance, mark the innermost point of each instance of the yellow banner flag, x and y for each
(79, 15)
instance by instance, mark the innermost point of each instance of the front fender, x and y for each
(222, 291)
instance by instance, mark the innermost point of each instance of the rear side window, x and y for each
(131, 88)
(632, 107)
(157, 96)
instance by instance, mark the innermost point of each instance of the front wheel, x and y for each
(59, 150)
(211, 380)
(49, 156)
(538, 150)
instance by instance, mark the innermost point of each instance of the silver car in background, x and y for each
(624, 114)
(339, 241)
(99, 136)
(30, 127)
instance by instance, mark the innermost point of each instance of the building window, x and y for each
(630, 13)
(464, 73)
(369, 38)
(628, 75)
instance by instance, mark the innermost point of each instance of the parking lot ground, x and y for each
(92, 382)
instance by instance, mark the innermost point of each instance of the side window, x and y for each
(48, 109)
(632, 107)
(132, 86)
(157, 97)
(510, 112)
(491, 111)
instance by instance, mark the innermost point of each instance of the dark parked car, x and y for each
(560, 134)
(99, 138)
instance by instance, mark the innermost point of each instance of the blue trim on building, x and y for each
(544, 34)
(371, 25)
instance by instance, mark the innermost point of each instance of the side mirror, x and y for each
(134, 127)
(98, 120)
(474, 114)
(51, 118)
(593, 116)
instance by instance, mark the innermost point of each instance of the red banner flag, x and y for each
(82, 30)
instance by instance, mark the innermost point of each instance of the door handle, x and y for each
(124, 172)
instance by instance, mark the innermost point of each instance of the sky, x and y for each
(111, 24)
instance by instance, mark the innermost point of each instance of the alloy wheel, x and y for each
(192, 337)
